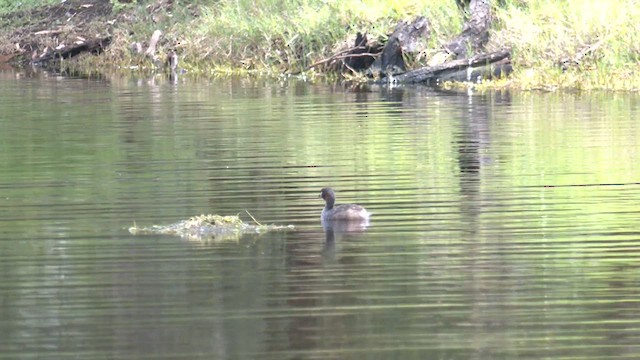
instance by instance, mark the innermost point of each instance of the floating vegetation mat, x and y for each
(209, 228)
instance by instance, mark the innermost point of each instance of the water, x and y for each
(505, 225)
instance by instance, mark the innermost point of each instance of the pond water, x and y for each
(505, 226)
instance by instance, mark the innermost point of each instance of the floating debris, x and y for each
(209, 227)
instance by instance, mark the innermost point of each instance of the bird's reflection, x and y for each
(339, 229)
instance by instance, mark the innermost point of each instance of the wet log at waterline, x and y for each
(471, 64)
(484, 66)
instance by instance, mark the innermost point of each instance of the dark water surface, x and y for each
(505, 226)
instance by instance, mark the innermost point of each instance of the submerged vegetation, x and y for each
(590, 44)
(209, 228)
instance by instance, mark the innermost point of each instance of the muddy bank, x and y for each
(73, 28)
(42, 33)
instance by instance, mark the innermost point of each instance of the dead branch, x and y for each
(339, 57)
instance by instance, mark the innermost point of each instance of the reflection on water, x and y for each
(504, 225)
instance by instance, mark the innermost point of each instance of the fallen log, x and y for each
(471, 64)
(484, 66)
(92, 46)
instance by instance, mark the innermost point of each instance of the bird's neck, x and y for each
(329, 205)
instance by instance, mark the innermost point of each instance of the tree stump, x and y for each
(407, 37)
(475, 32)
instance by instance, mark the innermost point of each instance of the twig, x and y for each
(254, 219)
(46, 32)
(348, 50)
(353, 71)
(339, 57)
(332, 57)
(591, 48)
(336, 57)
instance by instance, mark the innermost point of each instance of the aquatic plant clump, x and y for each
(209, 227)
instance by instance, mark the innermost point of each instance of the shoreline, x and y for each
(584, 47)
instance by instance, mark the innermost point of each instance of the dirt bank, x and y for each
(76, 27)
(40, 32)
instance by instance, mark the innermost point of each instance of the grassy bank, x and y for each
(294, 34)
(9, 6)
(587, 44)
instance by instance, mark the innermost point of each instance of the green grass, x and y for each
(271, 37)
(600, 39)
(291, 35)
(8, 6)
